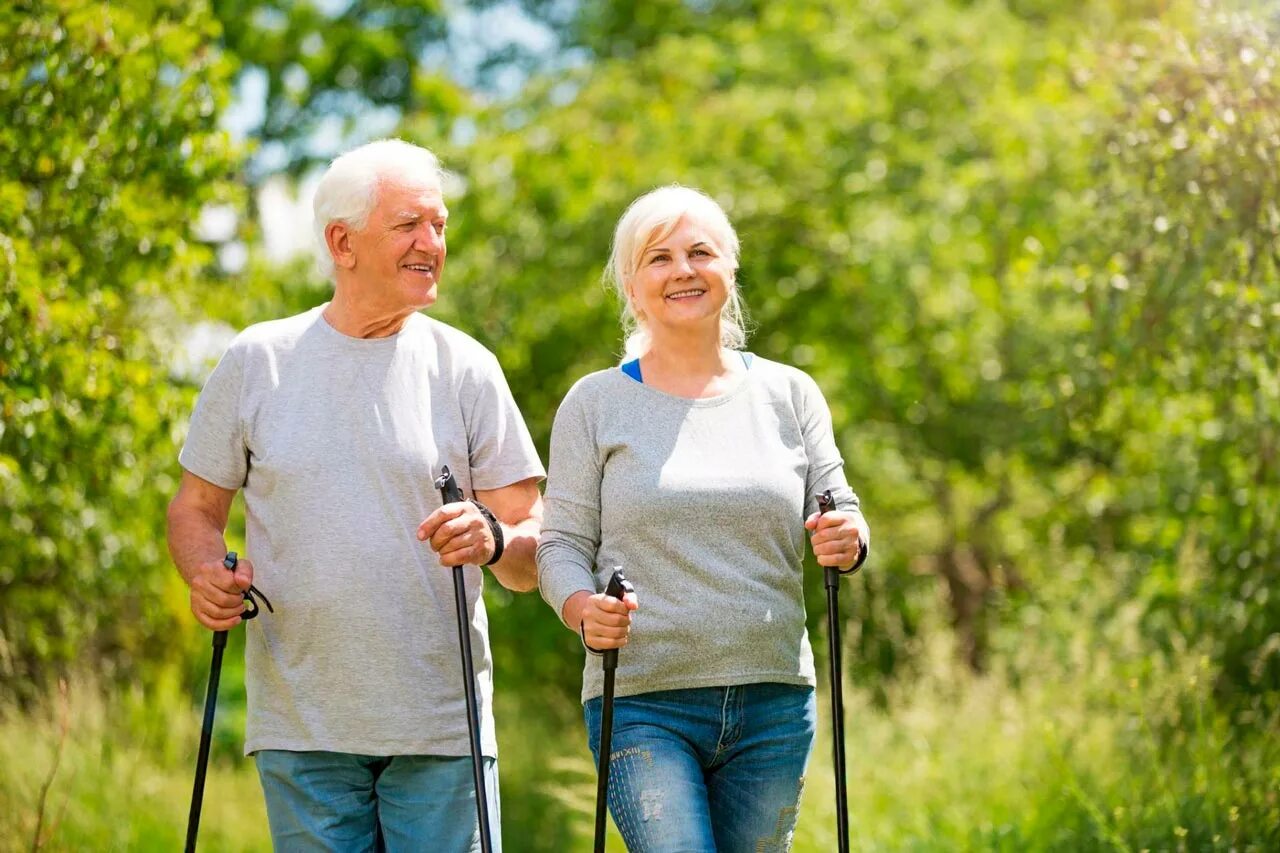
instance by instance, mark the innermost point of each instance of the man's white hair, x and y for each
(652, 217)
(348, 190)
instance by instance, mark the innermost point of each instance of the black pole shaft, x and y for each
(206, 738)
(831, 578)
(618, 587)
(606, 745)
(473, 707)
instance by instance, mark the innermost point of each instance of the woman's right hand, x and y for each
(605, 620)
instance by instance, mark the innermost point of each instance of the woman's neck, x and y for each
(694, 367)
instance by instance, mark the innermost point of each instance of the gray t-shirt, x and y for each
(702, 503)
(336, 442)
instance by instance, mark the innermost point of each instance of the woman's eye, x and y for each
(659, 257)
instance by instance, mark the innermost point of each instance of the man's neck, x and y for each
(358, 320)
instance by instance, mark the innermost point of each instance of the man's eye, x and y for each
(406, 226)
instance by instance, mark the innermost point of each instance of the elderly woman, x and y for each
(695, 467)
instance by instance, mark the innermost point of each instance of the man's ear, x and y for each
(337, 236)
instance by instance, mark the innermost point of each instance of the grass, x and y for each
(1090, 760)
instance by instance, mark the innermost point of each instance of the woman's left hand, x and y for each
(836, 539)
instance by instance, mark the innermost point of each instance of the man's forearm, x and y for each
(194, 539)
(518, 568)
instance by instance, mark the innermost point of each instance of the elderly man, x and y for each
(334, 423)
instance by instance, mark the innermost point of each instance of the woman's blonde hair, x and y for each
(652, 217)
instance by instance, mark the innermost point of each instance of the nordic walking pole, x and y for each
(618, 587)
(831, 579)
(210, 703)
(450, 493)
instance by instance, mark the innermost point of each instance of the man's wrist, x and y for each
(495, 527)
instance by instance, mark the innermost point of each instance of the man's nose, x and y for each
(428, 238)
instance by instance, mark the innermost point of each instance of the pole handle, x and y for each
(229, 563)
(448, 486)
(831, 574)
(618, 587)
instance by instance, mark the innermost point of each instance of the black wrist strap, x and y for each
(582, 632)
(495, 527)
(857, 564)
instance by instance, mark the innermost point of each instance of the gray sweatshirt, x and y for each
(702, 504)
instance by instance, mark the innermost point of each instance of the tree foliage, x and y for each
(1030, 255)
(1178, 269)
(1029, 252)
(963, 222)
(106, 157)
(326, 66)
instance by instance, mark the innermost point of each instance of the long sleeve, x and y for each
(826, 467)
(571, 528)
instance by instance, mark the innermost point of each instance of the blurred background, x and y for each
(1028, 248)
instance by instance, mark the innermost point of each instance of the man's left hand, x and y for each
(459, 533)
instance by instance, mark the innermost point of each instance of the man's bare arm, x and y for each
(197, 520)
(518, 508)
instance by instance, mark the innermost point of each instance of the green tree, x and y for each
(108, 154)
(1175, 400)
(327, 66)
(921, 193)
(882, 204)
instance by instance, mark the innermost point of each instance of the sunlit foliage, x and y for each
(107, 153)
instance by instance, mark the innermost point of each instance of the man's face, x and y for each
(400, 252)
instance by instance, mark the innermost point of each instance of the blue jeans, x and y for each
(335, 801)
(709, 769)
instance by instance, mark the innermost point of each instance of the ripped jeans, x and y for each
(708, 769)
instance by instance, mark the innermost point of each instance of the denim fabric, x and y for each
(335, 801)
(708, 769)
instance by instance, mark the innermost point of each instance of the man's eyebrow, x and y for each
(413, 214)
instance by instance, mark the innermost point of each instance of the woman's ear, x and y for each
(631, 303)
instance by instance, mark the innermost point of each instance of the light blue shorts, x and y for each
(324, 801)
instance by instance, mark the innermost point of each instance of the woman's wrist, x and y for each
(571, 612)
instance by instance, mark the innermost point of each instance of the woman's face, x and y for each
(682, 281)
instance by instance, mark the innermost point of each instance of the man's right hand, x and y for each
(217, 593)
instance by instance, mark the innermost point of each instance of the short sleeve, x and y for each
(215, 449)
(500, 449)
